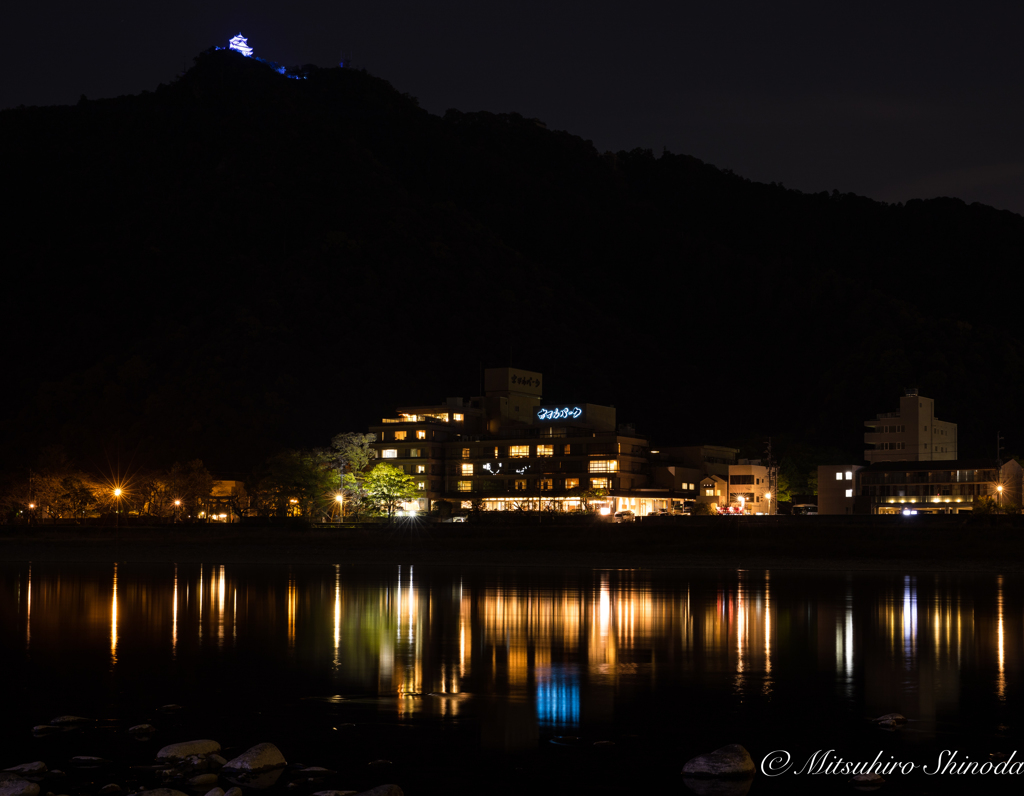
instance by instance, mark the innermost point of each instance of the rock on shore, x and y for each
(262, 757)
(729, 761)
(179, 751)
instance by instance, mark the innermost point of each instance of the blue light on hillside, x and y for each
(240, 44)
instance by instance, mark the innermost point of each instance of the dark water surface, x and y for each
(461, 678)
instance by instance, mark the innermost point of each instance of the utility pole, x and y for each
(999, 446)
(773, 477)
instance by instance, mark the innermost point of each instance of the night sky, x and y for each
(889, 100)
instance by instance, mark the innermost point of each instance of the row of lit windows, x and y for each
(544, 484)
(401, 435)
(392, 453)
(849, 476)
(598, 466)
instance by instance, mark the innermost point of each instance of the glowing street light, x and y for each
(117, 507)
(768, 497)
(999, 499)
(340, 500)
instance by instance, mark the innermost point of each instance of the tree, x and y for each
(352, 455)
(703, 509)
(587, 495)
(298, 482)
(387, 486)
(191, 484)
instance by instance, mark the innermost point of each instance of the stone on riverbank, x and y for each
(202, 779)
(729, 761)
(113, 787)
(233, 792)
(215, 792)
(70, 720)
(29, 769)
(383, 790)
(180, 751)
(18, 787)
(893, 717)
(262, 757)
(142, 729)
(718, 786)
(335, 793)
(160, 792)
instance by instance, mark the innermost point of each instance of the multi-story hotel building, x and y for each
(913, 434)
(508, 449)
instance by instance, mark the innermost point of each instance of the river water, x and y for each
(462, 678)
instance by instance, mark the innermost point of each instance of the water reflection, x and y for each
(567, 649)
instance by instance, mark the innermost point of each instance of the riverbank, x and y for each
(984, 544)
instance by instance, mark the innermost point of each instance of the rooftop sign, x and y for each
(560, 413)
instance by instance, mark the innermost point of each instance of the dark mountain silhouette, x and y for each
(242, 261)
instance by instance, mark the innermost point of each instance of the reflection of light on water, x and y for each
(741, 625)
(1001, 680)
(174, 616)
(767, 624)
(604, 609)
(220, 600)
(28, 609)
(200, 599)
(558, 698)
(113, 621)
(844, 645)
(337, 611)
(293, 598)
(909, 618)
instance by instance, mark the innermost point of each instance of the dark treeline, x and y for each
(240, 263)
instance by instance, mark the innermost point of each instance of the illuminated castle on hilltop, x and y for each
(240, 44)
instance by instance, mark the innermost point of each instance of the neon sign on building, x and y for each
(240, 44)
(566, 413)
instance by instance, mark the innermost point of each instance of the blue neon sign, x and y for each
(565, 413)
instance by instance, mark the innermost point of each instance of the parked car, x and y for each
(730, 510)
(624, 516)
(806, 509)
(659, 513)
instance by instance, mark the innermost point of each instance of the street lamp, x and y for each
(177, 508)
(768, 497)
(117, 507)
(999, 499)
(340, 500)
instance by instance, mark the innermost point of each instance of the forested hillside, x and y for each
(241, 261)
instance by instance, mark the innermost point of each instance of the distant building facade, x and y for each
(913, 434)
(945, 487)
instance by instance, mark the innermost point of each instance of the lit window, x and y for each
(567, 449)
(519, 451)
(849, 493)
(465, 486)
(709, 493)
(467, 504)
(546, 484)
(605, 466)
(467, 469)
(849, 475)
(421, 434)
(399, 435)
(839, 476)
(415, 453)
(545, 450)
(521, 485)
(600, 483)
(495, 451)
(572, 483)
(465, 453)
(421, 486)
(389, 453)
(458, 418)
